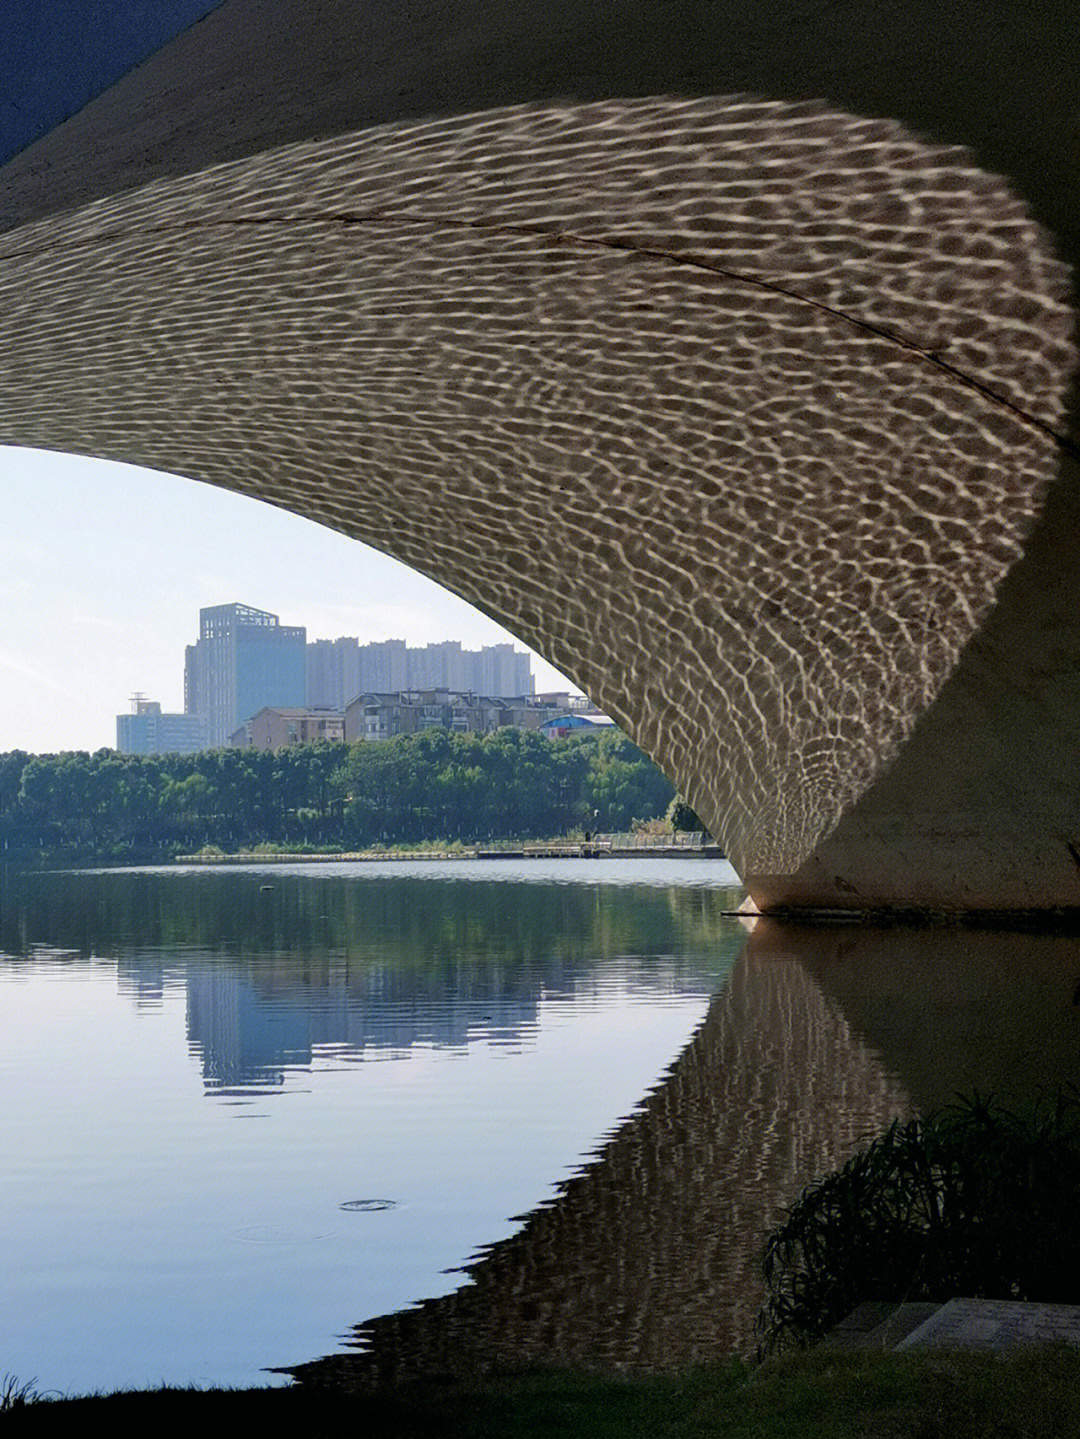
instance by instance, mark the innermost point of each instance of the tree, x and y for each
(681, 817)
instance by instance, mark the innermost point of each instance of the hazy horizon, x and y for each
(104, 568)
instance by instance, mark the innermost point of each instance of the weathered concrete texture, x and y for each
(995, 76)
(739, 410)
(979, 809)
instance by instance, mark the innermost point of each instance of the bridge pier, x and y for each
(980, 808)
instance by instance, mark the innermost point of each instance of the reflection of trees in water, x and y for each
(360, 963)
(648, 1258)
(412, 923)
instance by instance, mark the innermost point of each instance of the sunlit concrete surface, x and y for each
(750, 411)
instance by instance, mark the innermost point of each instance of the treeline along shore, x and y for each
(432, 786)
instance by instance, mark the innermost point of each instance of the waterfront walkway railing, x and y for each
(680, 839)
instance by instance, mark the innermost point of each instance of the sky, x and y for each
(104, 567)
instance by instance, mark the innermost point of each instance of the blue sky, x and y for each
(103, 569)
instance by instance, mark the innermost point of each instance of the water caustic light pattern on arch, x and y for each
(737, 410)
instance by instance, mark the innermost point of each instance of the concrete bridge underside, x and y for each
(723, 357)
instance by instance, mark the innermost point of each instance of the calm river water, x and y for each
(447, 1115)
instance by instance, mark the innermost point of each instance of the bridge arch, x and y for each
(741, 410)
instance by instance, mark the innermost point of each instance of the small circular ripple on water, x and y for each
(367, 1206)
(277, 1234)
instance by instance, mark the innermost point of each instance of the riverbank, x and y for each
(673, 846)
(1033, 1393)
(429, 788)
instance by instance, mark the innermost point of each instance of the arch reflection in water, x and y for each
(952, 1009)
(648, 1259)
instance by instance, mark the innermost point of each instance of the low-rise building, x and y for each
(147, 730)
(382, 716)
(277, 728)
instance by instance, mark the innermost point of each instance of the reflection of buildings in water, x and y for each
(143, 982)
(242, 1039)
(248, 1037)
(953, 1009)
(649, 1257)
(249, 1026)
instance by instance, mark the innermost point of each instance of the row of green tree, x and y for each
(430, 786)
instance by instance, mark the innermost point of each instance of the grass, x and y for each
(973, 1201)
(15, 1393)
(1028, 1394)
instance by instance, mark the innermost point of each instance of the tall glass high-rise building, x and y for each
(244, 659)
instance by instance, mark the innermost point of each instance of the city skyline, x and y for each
(101, 603)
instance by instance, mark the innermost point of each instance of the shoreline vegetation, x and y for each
(972, 1200)
(435, 789)
(821, 1394)
(651, 841)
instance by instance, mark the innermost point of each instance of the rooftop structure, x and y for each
(578, 722)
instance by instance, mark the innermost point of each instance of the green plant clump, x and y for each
(972, 1201)
(15, 1394)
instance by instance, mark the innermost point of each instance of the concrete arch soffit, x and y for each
(737, 410)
